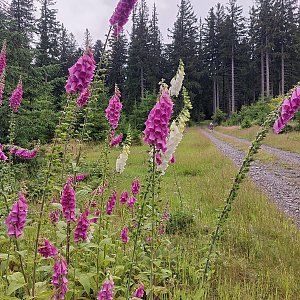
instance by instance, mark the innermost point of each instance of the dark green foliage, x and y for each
(180, 222)
(219, 117)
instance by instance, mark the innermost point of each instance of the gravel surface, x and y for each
(282, 185)
(285, 156)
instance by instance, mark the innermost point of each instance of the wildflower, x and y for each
(59, 278)
(107, 291)
(122, 159)
(161, 229)
(96, 215)
(116, 140)
(173, 141)
(124, 197)
(172, 160)
(3, 59)
(16, 97)
(124, 235)
(81, 74)
(176, 82)
(135, 187)
(157, 130)
(131, 201)
(121, 14)
(2, 86)
(54, 216)
(81, 229)
(24, 153)
(80, 177)
(47, 250)
(68, 202)
(83, 98)
(166, 215)
(139, 293)
(113, 111)
(158, 159)
(15, 222)
(2, 154)
(111, 203)
(288, 110)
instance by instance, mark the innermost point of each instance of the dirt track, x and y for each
(280, 183)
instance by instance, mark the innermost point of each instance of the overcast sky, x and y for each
(94, 14)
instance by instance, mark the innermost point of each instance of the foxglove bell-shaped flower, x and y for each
(2, 86)
(15, 222)
(59, 278)
(116, 140)
(68, 202)
(83, 98)
(131, 201)
(81, 74)
(16, 97)
(107, 291)
(124, 235)
(24, 153)
(288, 110)
(54, 216)
(47, 250)
(111, 203)
(3, 59)
(82, 227)
(121, 14)
(124, 197)
(113, 111)
(177, 81)
(2, 154)
(139, 293)
(157, 130)
(135, 187)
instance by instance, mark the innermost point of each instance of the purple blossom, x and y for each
(162, 229)
(2, 86)
(47, 250)
(81, 74)
(68, 202)
(107, 291)
(3, 59)
(166, 215)
(131, 201)
(173, 160)
(54, 216)
(124, 235)
(59, 278)
(16, 97)
(157, 130)
(15, 222)
(288, 110)
(96, 215)
(78, 178)
(135, 187)
(111, 203)
(113, 111)
(158, 159)
(82, 227)
(24, 153)
(124, 197)
(139, 293)
(83, 98)
(2, 154)
(121, 14)
(116, 140)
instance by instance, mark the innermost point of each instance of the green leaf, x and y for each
(85, 281)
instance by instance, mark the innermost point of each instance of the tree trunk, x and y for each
(142, 82)
(232, 83)
(262, 73)
(214, 95)
(218, 95)
(282, 71)
(267, 69)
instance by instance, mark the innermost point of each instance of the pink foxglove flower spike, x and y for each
(47, 250)
(124, 235)
(111, 203)
(113, 111)
(24, 153)
(3, 59)
(139, 293)
(81, 229)
(15, 222)
(68, 202)
(107, 291)
(59, 278)
(2, 154)
(16, 97)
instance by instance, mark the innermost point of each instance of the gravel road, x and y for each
(282, 185)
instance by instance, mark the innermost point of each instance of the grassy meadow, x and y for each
(258, 257)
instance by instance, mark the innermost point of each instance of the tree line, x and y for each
(230, 60)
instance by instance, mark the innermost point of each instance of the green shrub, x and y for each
(219, 117)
